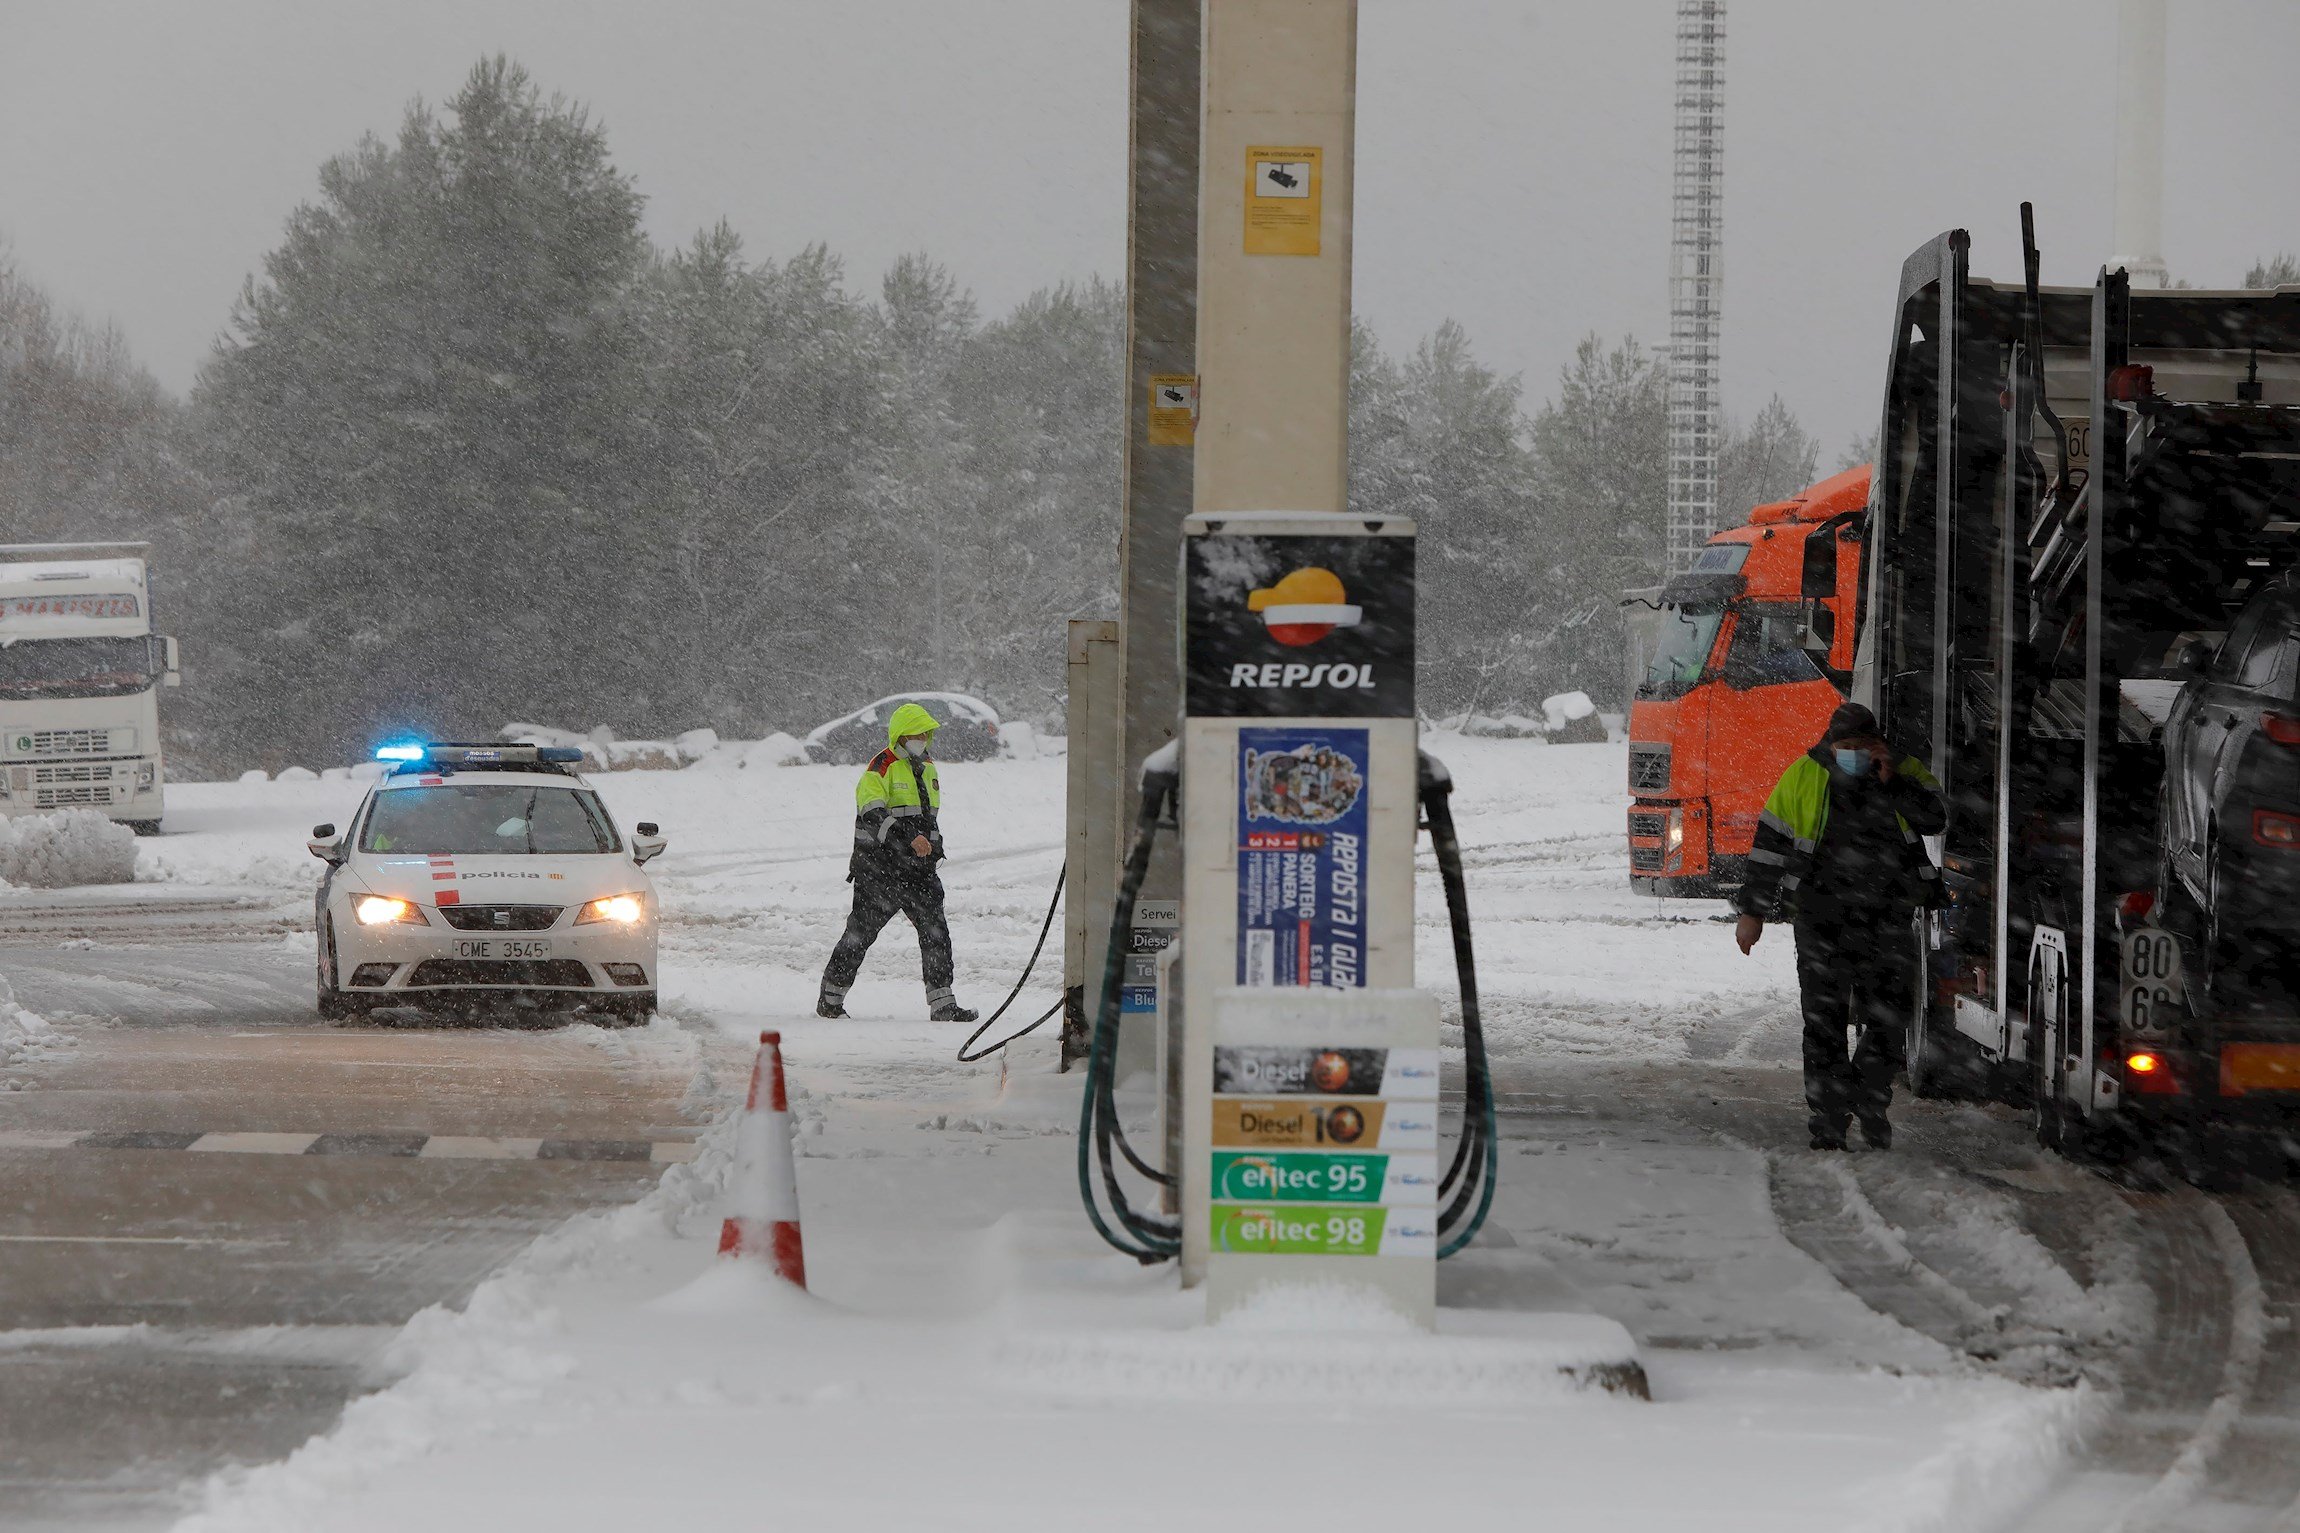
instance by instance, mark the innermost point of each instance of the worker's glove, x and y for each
(922, 846)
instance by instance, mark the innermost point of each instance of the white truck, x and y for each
(80, 673)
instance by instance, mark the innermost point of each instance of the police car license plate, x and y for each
(503, 947)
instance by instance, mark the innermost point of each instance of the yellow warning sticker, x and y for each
(1284, 198)
(1173, 409)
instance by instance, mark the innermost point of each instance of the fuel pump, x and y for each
(1304, 1064)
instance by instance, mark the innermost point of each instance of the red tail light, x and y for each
(2272, 829)
(2131, 383)
(2137, 905)
(2283, 728)
(2148, 1073)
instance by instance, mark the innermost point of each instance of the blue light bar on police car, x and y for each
(399, 753)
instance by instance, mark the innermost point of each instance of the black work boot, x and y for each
(831, 1005)
(1827, 1137)
(951, 1011)
(1877, 1131)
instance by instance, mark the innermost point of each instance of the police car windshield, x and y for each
(509, 819)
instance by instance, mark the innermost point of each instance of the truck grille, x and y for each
(559, 973)
(1647, 822)
(66, 798)
(43, 775)
(1645, 859)
(501, 918)
(1648, 768)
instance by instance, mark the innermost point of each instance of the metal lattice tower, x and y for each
(1696, 278)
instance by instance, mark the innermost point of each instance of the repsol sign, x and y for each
(1298, 627)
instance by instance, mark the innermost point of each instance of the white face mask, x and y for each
(914, 749)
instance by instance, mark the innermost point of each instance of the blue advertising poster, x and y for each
(1301, 845)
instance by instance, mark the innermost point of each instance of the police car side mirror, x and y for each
(2193, 659)
(325, 844)
(647, 841)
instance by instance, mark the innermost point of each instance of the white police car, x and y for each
(476, 874)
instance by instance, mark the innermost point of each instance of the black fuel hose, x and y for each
(1470, 1177)
(1044, 927)
(1478, 1152)
(1147, 1239)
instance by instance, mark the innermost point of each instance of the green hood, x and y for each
(910, 719)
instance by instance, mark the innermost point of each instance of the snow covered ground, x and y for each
(972, 1357)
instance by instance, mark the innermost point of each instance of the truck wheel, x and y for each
(145, 827)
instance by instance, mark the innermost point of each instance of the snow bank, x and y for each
(776, 750)
(26, 1038)
(603, 752)
(66, 848)
(1571, 719)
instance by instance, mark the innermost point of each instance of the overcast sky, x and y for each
(1513, 157)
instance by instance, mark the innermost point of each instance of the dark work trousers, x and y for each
(1853, 972)
(879, 897)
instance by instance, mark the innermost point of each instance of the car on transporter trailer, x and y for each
(478, 876)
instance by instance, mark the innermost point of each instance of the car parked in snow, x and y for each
(969, 729)
(483, 874)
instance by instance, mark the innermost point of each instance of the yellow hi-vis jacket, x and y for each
(1796, 818)
(896, 799)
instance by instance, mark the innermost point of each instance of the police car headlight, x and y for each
(382, 910)
(622, 909)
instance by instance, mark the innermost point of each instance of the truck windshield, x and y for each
(1680, 650)
(99, 667)
(515, 819)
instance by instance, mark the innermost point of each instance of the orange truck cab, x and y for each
(1754, 650)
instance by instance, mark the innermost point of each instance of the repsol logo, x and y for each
(1346, 677)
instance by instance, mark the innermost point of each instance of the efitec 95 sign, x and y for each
(1299, 627)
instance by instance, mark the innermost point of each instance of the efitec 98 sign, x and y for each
(1299, 627)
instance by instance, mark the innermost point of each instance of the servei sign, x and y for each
(1299, 627)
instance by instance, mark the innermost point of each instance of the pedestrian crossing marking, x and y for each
(390, 1145)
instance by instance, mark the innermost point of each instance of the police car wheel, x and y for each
(334, 1005)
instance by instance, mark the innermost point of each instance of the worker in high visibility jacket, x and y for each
(898, 842)
(1838, 853)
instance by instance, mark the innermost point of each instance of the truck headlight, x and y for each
(1676, 829)
(147, 773)
(383, 910)
(622, 909)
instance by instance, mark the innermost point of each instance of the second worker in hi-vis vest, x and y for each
(1838, 854)
(898, 846)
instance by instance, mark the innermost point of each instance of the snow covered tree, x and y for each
(763, 392)
(2277, 271)
(1601, 463)
(1441, 438)
(429, 404)
(1772, 460)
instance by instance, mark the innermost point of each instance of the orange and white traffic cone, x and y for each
(763, 1189)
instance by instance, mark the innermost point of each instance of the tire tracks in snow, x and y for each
(2184, 1479)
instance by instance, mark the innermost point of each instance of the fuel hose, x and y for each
(1468, 1185)
(1469, 1179)
(966, 1058)
(1146, 1238)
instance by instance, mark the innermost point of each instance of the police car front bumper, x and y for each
(602, 958)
